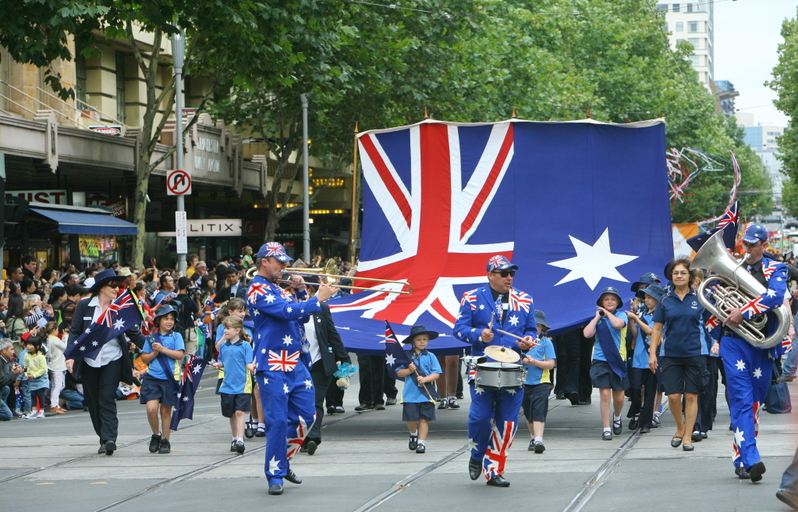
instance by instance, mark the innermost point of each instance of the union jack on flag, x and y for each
(729, 223)
(121, 315)
(501, 439)
(255, 290)
(282, 361)
(192, 375)
(441, 200)
(754, 307)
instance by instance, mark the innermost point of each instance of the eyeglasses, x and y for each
(504, 273)
(683, 273)
(113, 285)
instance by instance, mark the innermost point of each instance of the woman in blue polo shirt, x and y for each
(681, 360)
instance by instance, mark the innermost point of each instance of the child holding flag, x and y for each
(160, 384)
(418, 407)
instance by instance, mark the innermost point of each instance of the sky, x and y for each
(747, 35)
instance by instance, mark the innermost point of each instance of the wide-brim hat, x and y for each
(656, 291)
(165, 310)
(274, 250)
(648, 278)
(103, 278)
(418, 330)
(611, 290)
(124, 272)
(500, 262)
(540, 318)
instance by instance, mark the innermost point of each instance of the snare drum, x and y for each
(500, 375)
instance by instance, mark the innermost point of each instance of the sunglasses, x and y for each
(504, 273)
(113, 285)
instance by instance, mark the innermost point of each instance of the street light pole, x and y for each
(178, 49)
(305, 181)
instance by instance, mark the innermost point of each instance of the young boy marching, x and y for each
(418, 407)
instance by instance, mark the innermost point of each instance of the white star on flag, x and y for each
(740, 365)
(471, 444)
(274, 465)
(287, 339)
(83, 349)
(308, 384)
(185, 399)
(513, 320)
(511, 391)
(196, 369)
(269, 298)
(390, 360)
(289, 309)
(265, 380)
(771, 292)
(592, 263)
(758, 373)
(285, 388)
(263, 351)
(482, 306)
(94, 343)
(87, 330)
(256, 313)
(301, 310)
(119, 324)
(738, 437)
(479, 390)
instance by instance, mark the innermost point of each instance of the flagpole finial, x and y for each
(513, 114)
(356, 128)
(589, 112)
(426, 114)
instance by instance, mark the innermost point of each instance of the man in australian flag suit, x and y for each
(493, 417)
(285, 384)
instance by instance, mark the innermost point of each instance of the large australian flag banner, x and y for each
(578, 206)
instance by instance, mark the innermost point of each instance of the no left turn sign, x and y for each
(178, 183)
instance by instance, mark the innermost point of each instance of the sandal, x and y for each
(676, 441)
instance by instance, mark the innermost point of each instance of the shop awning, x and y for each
(79, 223)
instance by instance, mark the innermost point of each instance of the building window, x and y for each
(692, 27)
(120, 87)
(662, 7)
(689, 7)
(679, 26)
(694, 41)
(80, 77)
(694, 60)
(675, 8)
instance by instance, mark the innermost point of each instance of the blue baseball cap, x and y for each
(755, 233)
(274, 250)
(648, 278)
(500, 262)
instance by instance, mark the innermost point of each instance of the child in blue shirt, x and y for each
(418, 402)
(36, 373)
(159, 385)
(608, 371)
(641, 411)
(539, 361)
(236, 357)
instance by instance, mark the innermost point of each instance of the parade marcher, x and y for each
(418, 405)
(493, 416)
(609, 368)
(747, 367)
(641, 378)
(681, 361)
(539, 361)
(163, 352)
(101, 375)
(286, 387)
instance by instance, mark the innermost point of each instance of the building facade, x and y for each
(693, 22)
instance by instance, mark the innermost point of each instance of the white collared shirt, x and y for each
(313, 340)
(111, 351)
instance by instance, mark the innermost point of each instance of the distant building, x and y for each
(725, 94)
(693, 22)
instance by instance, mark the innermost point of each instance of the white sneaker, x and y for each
(656, 420)
(40, 414)
(28, 415)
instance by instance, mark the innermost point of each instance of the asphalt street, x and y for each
(364, 464)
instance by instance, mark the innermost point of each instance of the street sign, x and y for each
(178, 183)
(181, 232)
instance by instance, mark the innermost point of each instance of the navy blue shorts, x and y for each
(536, 402)
(158, 389)
(603, 377)
(683, 374)
(415, 412)
(233, 403)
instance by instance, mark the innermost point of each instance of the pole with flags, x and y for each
(395, 356)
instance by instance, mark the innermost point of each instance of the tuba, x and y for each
(733, 287)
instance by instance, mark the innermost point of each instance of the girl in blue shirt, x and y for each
(418, 405)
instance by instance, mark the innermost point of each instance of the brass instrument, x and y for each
(733, 287)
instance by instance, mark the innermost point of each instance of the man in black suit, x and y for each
(326, 351)
(233, 286)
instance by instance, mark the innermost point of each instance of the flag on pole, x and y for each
(395, 355)
(192, 374)
(729, 223)
(121, 315)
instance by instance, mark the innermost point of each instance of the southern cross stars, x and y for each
(740, 365)
(287, 339)
(119, 324)
(593, 262)
(738, 437)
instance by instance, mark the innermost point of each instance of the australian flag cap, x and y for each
(274, 250)
(500, 262)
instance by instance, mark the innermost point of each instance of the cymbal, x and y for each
(502, 354)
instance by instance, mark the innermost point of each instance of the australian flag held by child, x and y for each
(396, 357)
(192, 374)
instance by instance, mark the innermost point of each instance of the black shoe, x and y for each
(101, 449)
(232, 446)
(453, 403)
(379, 407)
(364, 407)
(634, 423)
(787, 497)
(165, 446)
(606, 436)
(676, 441)
(704, 435)
(574, 398)
(390, 401)
(531, 447)
(756, 471)
(741, 473)
(443, 404)
(260, 432)
(585, 402)
(110, 447)
(560, 396)
(688, 447)
(331, 410)
(459, 396)
(474, 468)
(276, 489)
(498, 481)
(539, 448)
(421, 448)
(339, 409)
(617, 427)
(696, 437)
(311, 447)
(413, 443)
(155, 443)
(303, 449)
(645, 430)
(291, 477)
(240, 447)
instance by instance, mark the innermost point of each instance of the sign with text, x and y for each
(209, 227)
(181, 230)
(40, 196)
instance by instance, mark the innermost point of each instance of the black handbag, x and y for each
(778, 398)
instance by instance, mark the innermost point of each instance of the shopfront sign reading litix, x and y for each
(209, 227)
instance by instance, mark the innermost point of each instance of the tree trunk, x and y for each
(140, 205)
